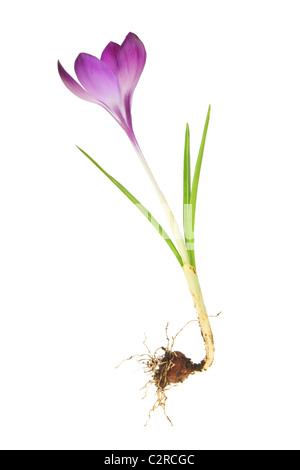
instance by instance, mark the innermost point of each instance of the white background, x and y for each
(83, 275)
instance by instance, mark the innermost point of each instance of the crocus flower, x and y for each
(110, 83)
(111, 80)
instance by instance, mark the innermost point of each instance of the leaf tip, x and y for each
(79, 148)
(187, 130)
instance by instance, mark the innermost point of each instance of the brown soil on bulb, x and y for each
(173, 368)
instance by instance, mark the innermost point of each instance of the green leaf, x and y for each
(144, 211)
(186, 182)
(187, 169)
(187, 208)
(197, 170)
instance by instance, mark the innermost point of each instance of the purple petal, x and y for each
(73, 86)
(98, 80)
(131, 61)
(109, 56)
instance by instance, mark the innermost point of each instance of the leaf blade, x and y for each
(187, 208)
(187, 168)
(195, 184)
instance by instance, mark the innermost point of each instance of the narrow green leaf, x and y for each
(144, 211)
(197, 170)
(187, 208)
(186, 169)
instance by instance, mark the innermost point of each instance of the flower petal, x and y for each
(131, 61)
(98, 80)
(73, 86)
(109, 56)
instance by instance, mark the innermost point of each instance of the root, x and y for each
(160, 402)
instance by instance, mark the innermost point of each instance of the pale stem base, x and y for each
(193, 283)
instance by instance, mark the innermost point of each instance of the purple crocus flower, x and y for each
(111, 80)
